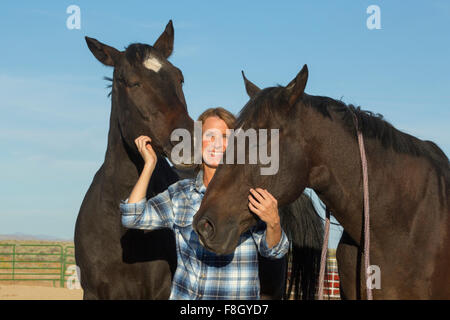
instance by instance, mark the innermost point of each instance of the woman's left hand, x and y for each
(265, 206)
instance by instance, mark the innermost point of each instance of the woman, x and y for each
(201, 274)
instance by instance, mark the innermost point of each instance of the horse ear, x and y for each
(296, 87)
(104, 53)
(251, 89)
(164, 44)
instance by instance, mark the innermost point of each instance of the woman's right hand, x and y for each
(145, 149)
(148, 154)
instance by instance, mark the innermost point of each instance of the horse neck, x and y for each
(335, 172)
(120, 166)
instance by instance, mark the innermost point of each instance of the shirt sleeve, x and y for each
(156, 213)
(278, 251)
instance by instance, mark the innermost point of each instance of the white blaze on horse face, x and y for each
(153, 64)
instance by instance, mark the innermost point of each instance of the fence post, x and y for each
(64, 267)
(13, 261)
(61, 280)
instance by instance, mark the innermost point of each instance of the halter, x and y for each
(366, 221)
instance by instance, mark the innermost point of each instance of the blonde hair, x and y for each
(220, 113)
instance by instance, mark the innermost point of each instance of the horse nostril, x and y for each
(205, 228)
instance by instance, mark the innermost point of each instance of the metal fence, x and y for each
(36, 262)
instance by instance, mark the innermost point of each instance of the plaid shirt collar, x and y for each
(199, 185)
(197, 189)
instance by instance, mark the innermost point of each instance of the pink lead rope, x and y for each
(362, 152)
(323, 256)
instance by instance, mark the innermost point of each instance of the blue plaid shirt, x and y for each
(200, 273)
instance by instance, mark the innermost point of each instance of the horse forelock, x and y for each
(263, 107)
(138, 53)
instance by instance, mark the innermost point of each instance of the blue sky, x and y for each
(55, 111)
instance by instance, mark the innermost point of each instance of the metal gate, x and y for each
(35, 262)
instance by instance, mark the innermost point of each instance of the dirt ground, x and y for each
(19, 292)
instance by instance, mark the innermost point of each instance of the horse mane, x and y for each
(272, 103)
(373, 125)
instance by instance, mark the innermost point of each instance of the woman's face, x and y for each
(214, 141)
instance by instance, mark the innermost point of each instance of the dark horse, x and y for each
(409, 190)
(147, 99)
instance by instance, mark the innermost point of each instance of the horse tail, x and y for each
(304, 228)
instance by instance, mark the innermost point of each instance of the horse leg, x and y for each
(348, 258)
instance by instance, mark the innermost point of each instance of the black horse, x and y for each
(409, 190)
(147, 99)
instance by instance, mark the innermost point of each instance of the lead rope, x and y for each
(366, 222)
(323, 256)
(362, 152)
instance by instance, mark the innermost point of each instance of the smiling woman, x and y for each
(202, 274)
(215, 125)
